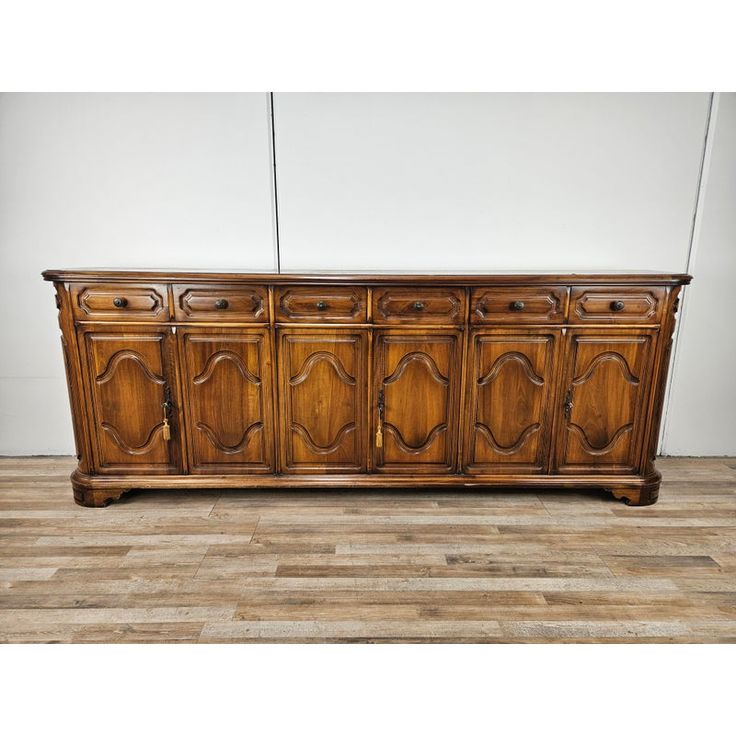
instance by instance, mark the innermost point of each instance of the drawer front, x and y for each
(321, 304)
(113, 302)
(616, 304)
(221, 303)
(406, 305)
(545, 305)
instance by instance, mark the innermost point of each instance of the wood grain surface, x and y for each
(272, 380)
(368, 566)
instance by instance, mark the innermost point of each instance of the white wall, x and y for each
(178, 180)
(487, 181)
(701, 417)
(419, 182)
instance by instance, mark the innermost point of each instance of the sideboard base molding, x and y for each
(98, 491)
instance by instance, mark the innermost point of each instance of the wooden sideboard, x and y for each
(237, 380)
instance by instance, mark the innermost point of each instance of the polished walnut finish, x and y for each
(321, 304)
(217, 363)
(519, 305)
(323, 393)
(221, 303)
(417, 382)
(510, 401)
(206, 380)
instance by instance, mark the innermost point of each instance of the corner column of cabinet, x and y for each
(74, 376)
(659, 383)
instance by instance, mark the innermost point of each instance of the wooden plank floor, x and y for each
(251, 566)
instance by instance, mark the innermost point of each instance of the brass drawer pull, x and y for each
(418, 306)
(517, 306)
(617, 306)
(222, 304)
(321, 306)
(120, 302)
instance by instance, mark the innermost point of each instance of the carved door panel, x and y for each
(226, 378)
(511, 383)
(130, 378)
(323, 400)
(416, 401)
(604, 404)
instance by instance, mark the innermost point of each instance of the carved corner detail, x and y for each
(86, 495)
(644, 495)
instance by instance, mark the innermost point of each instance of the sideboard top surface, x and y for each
(491, 278)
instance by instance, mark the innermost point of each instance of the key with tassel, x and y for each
(167, 428)
(379, 429)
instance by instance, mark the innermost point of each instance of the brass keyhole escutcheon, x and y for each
(567, 406)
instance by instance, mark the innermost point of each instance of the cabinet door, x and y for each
(130, 376)
(226, 378)
(323, 397)
(416, 401)
(604, 403)
(510, 391)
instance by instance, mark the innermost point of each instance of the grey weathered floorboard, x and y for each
(255, 566)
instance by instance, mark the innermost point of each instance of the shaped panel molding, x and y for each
(221, 303)
(504, 305)
(227, 392)
(510, 402)
(418, 305)
(120, 302)
(320, 304)
(322, 375)
(417, 378)
(618, 305)
(605, 401)
(129, 384)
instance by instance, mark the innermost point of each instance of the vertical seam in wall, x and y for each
(274, 186)
(691, 257)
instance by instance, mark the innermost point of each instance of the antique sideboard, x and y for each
(238, 380)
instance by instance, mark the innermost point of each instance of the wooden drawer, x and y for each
(544, 305)
(321, 304)
(113, 302)
(618, 304)
(221, 303)
(406, 305)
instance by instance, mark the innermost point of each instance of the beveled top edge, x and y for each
(498, 278)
